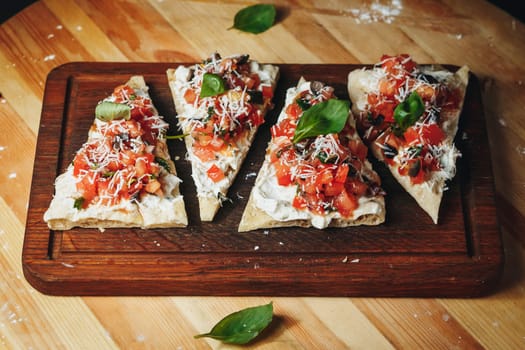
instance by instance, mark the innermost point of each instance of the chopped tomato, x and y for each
(267, 91)
(79, 164)
(283, 174)
(333, 189)
(203, 153)
(299, 202)
(345, 203)
(342, 173)
(357, 187)
(430, 134)
(215, 173)
(190, 96)
(285, 128)
(293, 110)
(358, 149)
(87, 186)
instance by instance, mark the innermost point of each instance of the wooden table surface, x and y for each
(52, 32)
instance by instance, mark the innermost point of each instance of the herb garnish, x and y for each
(212, 85)
(242, 326)
(163, 163)
(324, 118)
(79, 202)
(107, 111)
(255, 19)
(408, 112)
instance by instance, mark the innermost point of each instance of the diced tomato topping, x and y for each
(342, 173)
(283, 174)
(299, 202)
(358, 149)
(293, 111)
(190, 96)
(345, 203)
(204, 153)
(429, 134)
(215, 173)
(267, 92)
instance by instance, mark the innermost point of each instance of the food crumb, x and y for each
(49, 57)
(50, 36)
(281, 243)
(502, 122)
(12, 175)
(67, 265)
(459, 36)
(445, 317)
(239, 196)
(256, 247)
(59, 27)
(266, 232)
(249, 175)
(256, 266)
(355, 261)
(79, 28)
(345, 259)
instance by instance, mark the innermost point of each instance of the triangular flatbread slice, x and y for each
(408, 115)
(123, 175)
(320, 180)
(220, 105)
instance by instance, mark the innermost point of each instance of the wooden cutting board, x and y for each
(408, 255)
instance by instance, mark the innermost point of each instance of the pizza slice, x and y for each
(315, 171)
(408, 115)
(220, 104)
(123, 175)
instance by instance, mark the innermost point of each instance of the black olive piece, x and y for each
(414, 168)
(389, 151)
(428, 78)
(242, 59)
(256, 97)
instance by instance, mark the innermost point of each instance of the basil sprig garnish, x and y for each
(408, 112)
(107, 111)
(324, 118)
(255, 19)
(242, 326)
(212, 85)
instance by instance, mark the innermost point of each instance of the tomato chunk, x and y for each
(215, 173)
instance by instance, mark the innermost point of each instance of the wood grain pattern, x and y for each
(53, 32)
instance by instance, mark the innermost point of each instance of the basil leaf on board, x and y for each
(408, 112)
(242, 326)
(324, 118)
(255, 19)
(212, 85)
(107, 111)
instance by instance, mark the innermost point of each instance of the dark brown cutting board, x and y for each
(408, 255)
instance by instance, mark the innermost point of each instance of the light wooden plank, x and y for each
(83, 29)
(17, 154)
(156, 41)
(29, 319)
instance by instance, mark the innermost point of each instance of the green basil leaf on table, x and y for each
(107, 111)
(212, 85)
(255, 19)
(324, 118)
(408, 112)
(242, 326)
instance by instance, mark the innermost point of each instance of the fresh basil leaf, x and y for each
(212, 85)
(79, 202)
(255, 19)
(408, 112)
(107, 111)
(324, 118)
(242, 326)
